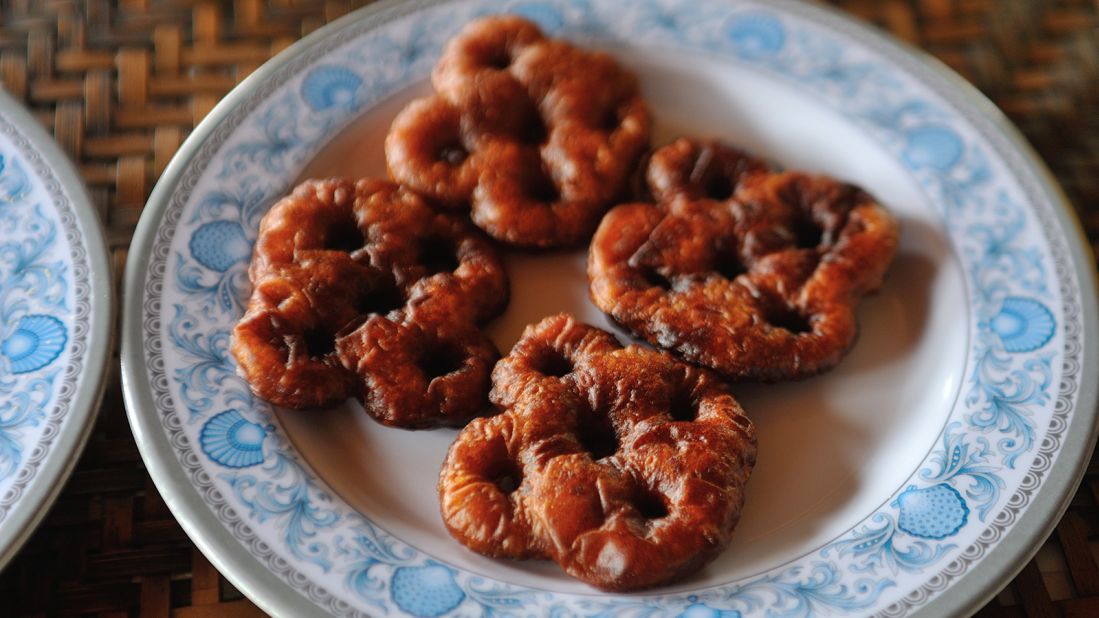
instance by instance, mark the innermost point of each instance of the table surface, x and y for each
(120, 83)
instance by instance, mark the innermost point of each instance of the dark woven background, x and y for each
(122, 82)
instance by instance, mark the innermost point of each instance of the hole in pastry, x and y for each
(440, 360)
(597, 436)
(649, 504)
(535, 131)
(452, 153)
(807, 234)
(381, 301)
(655, 279)
(344, 236)
(682, 407)
(507, 477)
(318, 343)
(437, 255)
(553, 364)
(728, 265)
(718, 187)
(610, 120)
(499, 60)
(781, 316)
(540, 188)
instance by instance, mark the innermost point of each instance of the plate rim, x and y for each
(1015, 550)
(66, 450)
(1010, 554)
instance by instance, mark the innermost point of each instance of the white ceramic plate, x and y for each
(55, 321)
(918, 476)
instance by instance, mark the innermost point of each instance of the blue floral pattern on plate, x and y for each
(997, 445)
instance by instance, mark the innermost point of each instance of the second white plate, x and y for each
(55, 322)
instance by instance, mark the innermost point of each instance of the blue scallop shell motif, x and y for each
(934, 512)
(933, 147)
(547, 16)
(36, 342)
(330, 86)
(233, 441)
(218, 245)
(1023, 324)
(756, 35)
(426, 591)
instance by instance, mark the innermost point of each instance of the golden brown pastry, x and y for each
(752, 273)
(535, 136)
(623, 465)
(361, 289)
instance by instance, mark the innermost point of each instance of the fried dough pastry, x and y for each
(361, 289)
(535, 136)
(623, 465)
(753, 273)
(284, 348)
(418, 375)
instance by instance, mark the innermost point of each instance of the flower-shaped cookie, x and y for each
(535, 136)
(623, 465)
(752, 273)
(360, 289)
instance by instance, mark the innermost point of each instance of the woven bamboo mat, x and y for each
(122, 82)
